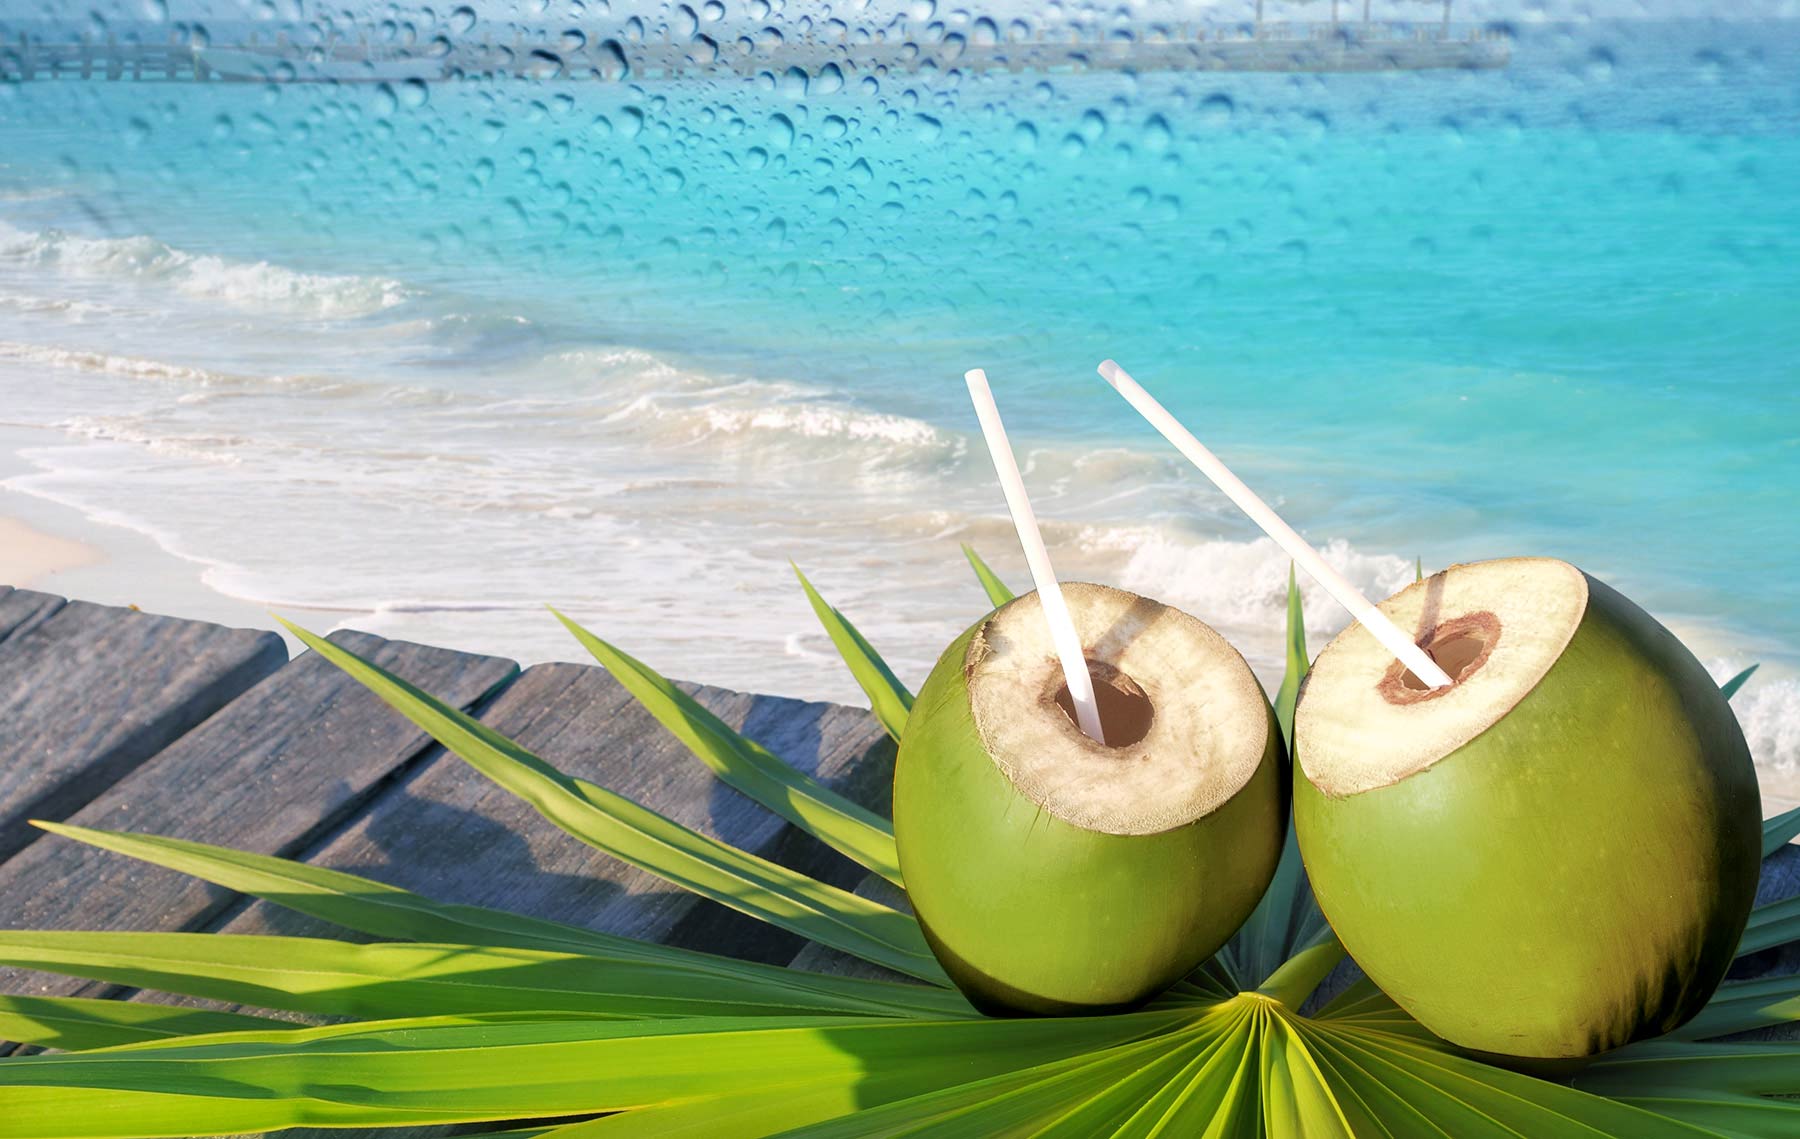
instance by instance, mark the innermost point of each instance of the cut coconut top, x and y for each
(1185, 720)
(1496, 627)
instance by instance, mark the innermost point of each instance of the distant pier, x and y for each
(1322, 46)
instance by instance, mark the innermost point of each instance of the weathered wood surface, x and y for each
(89, 692)
(20, 609)
(447, 832)
(272, 772)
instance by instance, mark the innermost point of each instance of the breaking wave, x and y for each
(248, 284)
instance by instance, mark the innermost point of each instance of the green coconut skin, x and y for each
(1031, 915)
(1574, 878)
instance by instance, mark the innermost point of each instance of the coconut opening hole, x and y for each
(1454, 655)
(1125, 711)
(1460, 647)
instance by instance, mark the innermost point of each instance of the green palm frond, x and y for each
(77, 1023)
(480, 1016)
(888, 698)
(1780, 830)
(853, 831)
(997, 592)
(632, 833)
(1730, 687)
(366, 906)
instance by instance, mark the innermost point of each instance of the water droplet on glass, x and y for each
(1157, 135)
(610, 62)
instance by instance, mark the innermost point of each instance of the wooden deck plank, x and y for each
(20, 609)
(447, 832)
(271, 772)
(89, 692)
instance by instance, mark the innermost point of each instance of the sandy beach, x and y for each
(28, 556)
(48, 546)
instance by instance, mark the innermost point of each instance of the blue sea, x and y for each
(421, 357)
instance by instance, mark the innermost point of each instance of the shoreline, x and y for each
(57, 547)
(68, 553)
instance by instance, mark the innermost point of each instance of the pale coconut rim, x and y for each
(1186, 721)
(1365, 722)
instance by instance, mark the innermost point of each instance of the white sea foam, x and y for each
(68, 306)
(1768, 709)
(205, 379)
(244, 284)
(776, 419)
(107, 363)
(1238, 584)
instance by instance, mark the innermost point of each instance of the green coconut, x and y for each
(1552, 857)
(1056, 875)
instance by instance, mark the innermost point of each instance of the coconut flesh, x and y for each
(1555, 855)
(1054, 874)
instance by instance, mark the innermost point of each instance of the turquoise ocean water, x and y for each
(430, 355)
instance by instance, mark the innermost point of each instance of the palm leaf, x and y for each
(381, 910)
(1730, 687)
(850, 829)
(394, 979)
(1297, 1095)
(376, 1074)
(1734, 1089)
(1780, 830)
(1739, 1006)
(74, 1023)
(1774, 924)
(996, 589)
(888, 698)
(1299, 662)
(633, 833)
(1462, 1097)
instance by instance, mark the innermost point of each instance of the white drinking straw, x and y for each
(1305, 556)
(1056, 610)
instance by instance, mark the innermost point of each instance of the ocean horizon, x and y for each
(420, 359)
